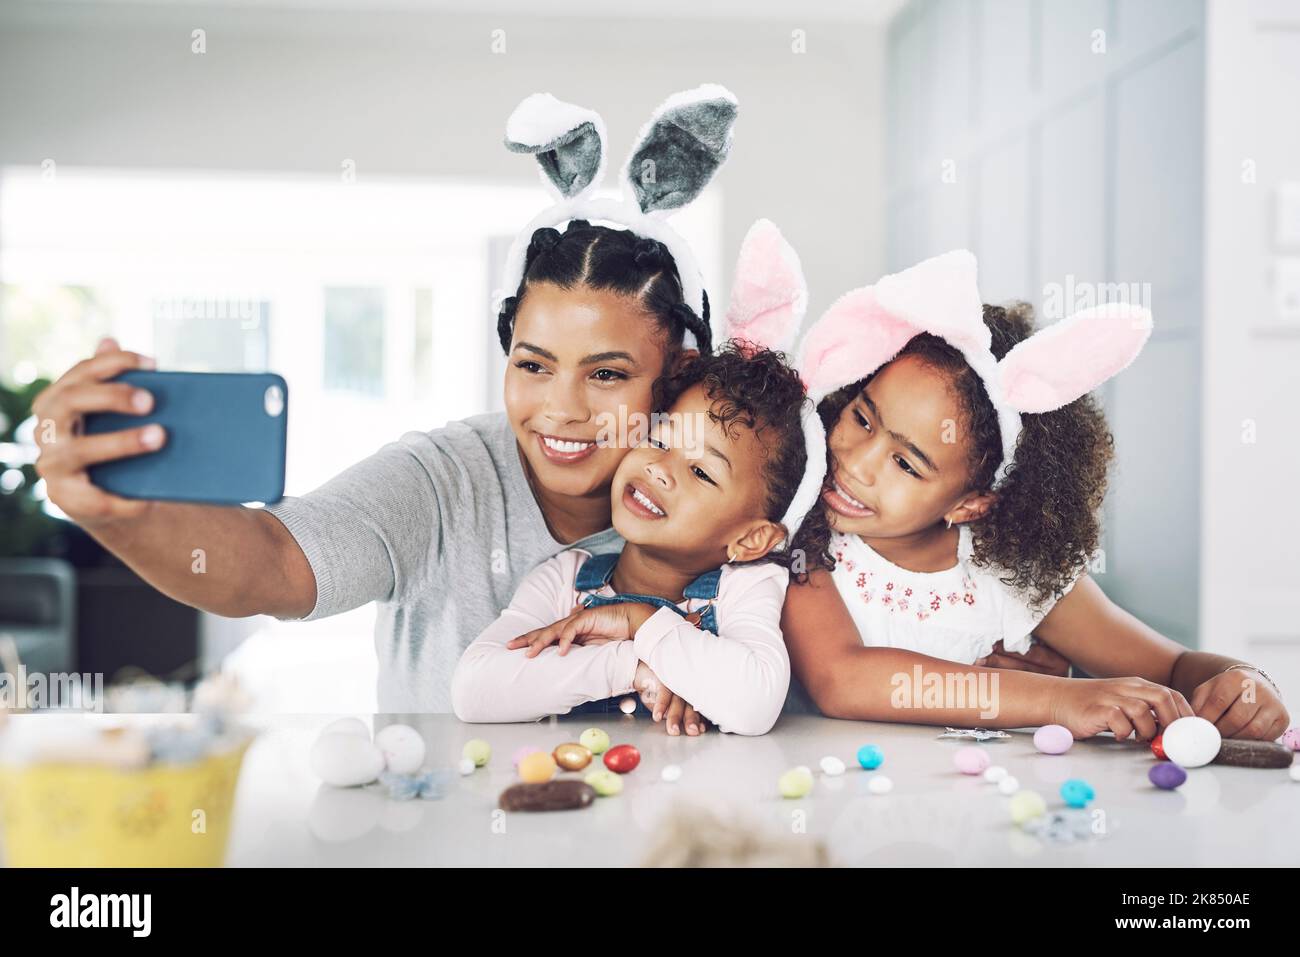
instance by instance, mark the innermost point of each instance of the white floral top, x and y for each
(957, 614)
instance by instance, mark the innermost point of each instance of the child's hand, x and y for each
(1125, 706)
(673, 709)
(609, 622)
(1223, 701)
(1039, 659)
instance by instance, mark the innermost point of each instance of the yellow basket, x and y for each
(86, 815)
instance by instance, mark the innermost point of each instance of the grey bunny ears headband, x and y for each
(676, 154)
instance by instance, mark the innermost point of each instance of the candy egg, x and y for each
(347, 726)
(870, 757)
(1291, 738)
(879, 784)
(1053, 739)
(402, 746)
(795, 783)
(572, 757)
(346, 760)
(971, 759)
(478, 751)
(671, 773)
(622, 759)
(605, 783)
(594, 740)
(1077, 793)
(466, 766)
(627, 705)
(1027, 805)
(1191, 742)
(1158, 748)
(832, 766)
(1008, 785)
(995, 774)
(1166, 775)
(537, 768)
(520, 753)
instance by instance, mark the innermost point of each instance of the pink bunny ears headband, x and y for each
(867, 327)
(676, 154)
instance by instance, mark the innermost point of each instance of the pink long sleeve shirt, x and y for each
(737, 679)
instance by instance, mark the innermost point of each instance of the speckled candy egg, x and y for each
(832, 766)
(1077, 793)
(1291, 738)
(478, 751)
(1008, 785)
(346, 760)
(870, 757)
(1053, 739)
(402, 746)
(995, 774)
(971, 759)
(1027, 805)
(1191, 742)
(1166, 775)
(795, 783)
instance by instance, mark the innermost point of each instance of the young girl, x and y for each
(957, 523)
(440, 526)
(693, 604)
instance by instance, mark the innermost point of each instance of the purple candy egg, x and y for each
(1053, 739)
(1167, 775)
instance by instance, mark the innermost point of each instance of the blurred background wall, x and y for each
(319, 187)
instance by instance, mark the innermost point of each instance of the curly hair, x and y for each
(1044, 524)
(756, 389)
(598, 257)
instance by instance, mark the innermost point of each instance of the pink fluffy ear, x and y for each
(769, 296)
(1054, 367)
(853, 339)
(939, 296)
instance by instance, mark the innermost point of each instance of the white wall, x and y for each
(1250, 562)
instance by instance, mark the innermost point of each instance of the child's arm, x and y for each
(737, 680)
(495, 684)
(1105, 640)
(848, 680)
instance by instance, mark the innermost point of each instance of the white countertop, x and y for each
(934, 816)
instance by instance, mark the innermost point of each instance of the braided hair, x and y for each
(618, 260)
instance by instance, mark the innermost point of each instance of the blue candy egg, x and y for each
(870, 757)
(1166, 775)
(1077, 793)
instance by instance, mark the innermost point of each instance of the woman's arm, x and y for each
(495, 684)
(737, 680)
(848, 680)
(1105, 640)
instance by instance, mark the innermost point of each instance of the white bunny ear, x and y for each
(1059, 364)
(687, 139)
(769, 296)
(939, 296)
(568, 140)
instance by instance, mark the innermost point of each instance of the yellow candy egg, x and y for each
(537, 768)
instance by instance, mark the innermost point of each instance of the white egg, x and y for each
(832, 765)
(1191, 742)
(995, 774)
(671, 773)
(347, 726)
(880, 785)
(345, 760)
(466, 766)
(627, 705)
(1008, 785)
(402, 746)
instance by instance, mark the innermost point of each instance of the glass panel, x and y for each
(354, 340)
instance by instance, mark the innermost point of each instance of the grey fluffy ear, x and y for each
(679, 150)
(568, 141)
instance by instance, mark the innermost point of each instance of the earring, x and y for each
(950, 523)
(730, 557)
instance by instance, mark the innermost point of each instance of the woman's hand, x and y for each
(1039, 659)
(583, 626)
(1241, 703)
(1125, 706)
(65, 453)
(664, 705)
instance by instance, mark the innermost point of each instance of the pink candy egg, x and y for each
(1291, 738)
(1053, 739)
(971, 759)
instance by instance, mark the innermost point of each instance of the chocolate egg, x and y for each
(571, 757)
(1158, 747)
(622, 758)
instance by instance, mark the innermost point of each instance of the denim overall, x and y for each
(595, 574)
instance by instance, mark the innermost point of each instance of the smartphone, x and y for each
(226, 438)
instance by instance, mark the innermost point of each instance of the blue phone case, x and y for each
(226, 436)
